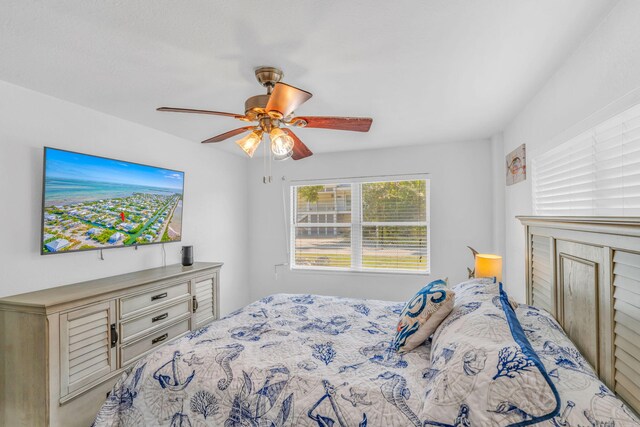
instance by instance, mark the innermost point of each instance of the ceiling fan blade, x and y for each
(300, 151)
(191, 110)
(227, 135)
(285, 99)
(356, 124)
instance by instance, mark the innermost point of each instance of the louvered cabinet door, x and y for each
(626, 328)
(542, 292)
(85, 346)
(206, 299)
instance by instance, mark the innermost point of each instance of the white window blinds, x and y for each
(378, 225)
(596, 173)
(322, 225)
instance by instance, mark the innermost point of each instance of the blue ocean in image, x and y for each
(66, 191)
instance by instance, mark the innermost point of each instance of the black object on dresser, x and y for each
(187, 255)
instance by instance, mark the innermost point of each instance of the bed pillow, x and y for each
(483, 369)
(473, 287)
(422, 314)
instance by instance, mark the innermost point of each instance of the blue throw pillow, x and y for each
(422, 315)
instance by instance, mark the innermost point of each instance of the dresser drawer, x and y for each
(131, 351)
(142, 325)
(133, 305)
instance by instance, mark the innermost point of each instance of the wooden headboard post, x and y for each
(586, 272)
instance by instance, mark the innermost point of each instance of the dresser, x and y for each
(62, 349)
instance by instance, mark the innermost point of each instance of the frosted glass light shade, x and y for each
(281, 144)
(488, 265)
(250, 143)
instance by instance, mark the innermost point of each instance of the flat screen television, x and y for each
(93, 203)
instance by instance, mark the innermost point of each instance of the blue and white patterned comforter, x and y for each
(303, 360)
(584, 400)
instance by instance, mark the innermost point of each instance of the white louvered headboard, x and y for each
(586, 272)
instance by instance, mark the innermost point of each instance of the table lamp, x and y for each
(488, 265)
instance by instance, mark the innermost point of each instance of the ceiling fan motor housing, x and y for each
(255, 106)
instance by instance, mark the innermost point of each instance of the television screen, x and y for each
(92, 202)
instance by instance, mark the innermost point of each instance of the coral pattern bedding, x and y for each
(303, 360)
(584, 399)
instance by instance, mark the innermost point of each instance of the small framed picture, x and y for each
(517, 165)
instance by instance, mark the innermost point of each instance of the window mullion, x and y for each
(356, 227)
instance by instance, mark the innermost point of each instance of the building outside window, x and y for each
(373, 224)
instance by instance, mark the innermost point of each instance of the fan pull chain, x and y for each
(264, 163)
(266, 177)
(270, 166)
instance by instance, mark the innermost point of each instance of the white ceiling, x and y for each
(426, 71)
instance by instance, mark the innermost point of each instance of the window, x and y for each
(361, 225)
(596, 173)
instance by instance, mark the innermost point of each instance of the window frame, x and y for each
(356, 225)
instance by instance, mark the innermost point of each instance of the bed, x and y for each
(309, 360)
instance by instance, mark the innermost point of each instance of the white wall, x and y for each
(604, 69)
(461, 215)
(215, 201)
(498, 180)
(223, 194)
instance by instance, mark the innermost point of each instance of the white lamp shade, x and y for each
(488, 265)
(281, 144)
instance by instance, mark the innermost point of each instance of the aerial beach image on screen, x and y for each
(95, 203)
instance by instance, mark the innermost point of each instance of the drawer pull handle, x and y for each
(161, 317)
(159, 296)
(114, 335)
(159, 339)
(195, 304)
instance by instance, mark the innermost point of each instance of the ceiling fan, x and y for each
(274, 114)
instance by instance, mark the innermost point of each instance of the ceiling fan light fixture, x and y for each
(250, 143)
(281, 144)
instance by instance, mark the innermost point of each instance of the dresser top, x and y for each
(59, 295)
